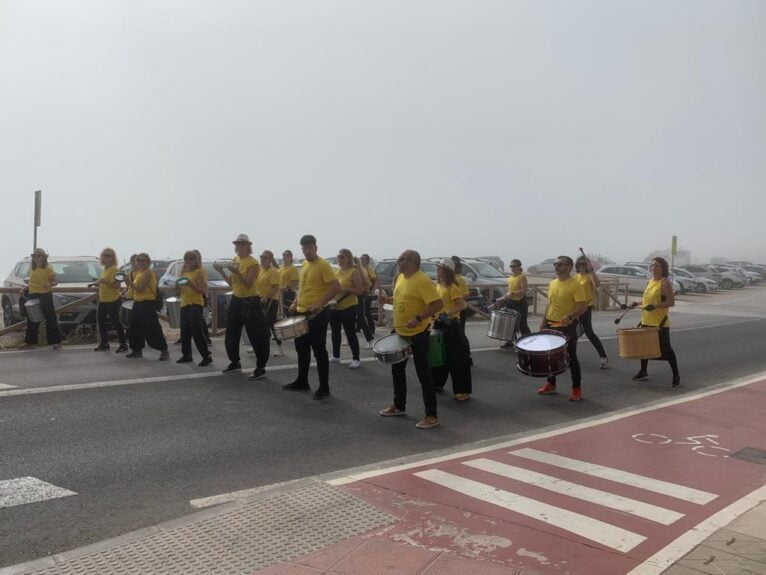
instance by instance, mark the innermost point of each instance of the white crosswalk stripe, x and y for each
(618, 475)
(603, 498)
(23, 490)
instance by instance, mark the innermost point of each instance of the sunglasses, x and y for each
(560, 265)
(141, 260)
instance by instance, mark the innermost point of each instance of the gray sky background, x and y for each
(476, 127)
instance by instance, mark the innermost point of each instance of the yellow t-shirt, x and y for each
(108, 294)
(287, 275)
(653, 295)
(587, 286)
(411, 295)
(313, 282)
(371, 277)
(244, 264)
(267, 279)
(39, 280)
(346, 280)
(130, 292)
(461, 283)
(150, 291)
(514, 284)
(448, 295)
(563, 297)
(188, 295)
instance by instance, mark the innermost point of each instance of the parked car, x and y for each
(758, 270)
(702, 271)
(728, 278)
(750, 277)
(214, 280)
(482, 279)
(544, 267)
(690, 282)
(634, 276)
(159, 267)
(76, 271)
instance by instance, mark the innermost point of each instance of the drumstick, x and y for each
(587, 259)
(622, 315)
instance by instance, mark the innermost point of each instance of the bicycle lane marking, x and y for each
(584, 500)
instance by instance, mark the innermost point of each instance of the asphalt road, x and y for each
(136, 454)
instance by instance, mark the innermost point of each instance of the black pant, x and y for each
(587, 325)
(109, 316)
(570, 332)
(362, 322)
(145, 326)
(288, 297)
(667, 352)
(247, 312)
(457, 364)
(464, 318)
(346, 318)
(316, 340)
(522, 307)
(369, 320)
(52, 331)
(399, 372)
(192, 322)
(270, 312)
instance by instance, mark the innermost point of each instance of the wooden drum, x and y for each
(639, 343)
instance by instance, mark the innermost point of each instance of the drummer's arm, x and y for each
(199, 284)
(579, 310)
(142, 282)
(358, 284)
(459, 304)
(432, 308)
(333, 289)
(273, 291)
(594, 279)
(52, 281)
(523, 286)
(249, 277)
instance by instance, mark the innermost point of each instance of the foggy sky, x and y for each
(476, 127)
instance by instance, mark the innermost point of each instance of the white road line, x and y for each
(668, 555)
(618, 476)
(28, 490)
(582, 525)
(6, 386)
(603, 498)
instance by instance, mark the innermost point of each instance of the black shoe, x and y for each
(233, 368)
(470, 362)
(676, 381)
(102, 347)
(258, 373)
(640, 376)
(209, 341)
(206, 361)
(164, 355)
(296, 386)
(185, 359)
(121, 348)
(135, 354)
(322, 392)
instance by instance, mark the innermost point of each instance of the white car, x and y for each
(690, 282)
(635, 277)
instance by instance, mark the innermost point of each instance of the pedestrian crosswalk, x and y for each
(557, 513)
(22, 490)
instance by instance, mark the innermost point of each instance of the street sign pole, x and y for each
(38, 210)
(673, 252)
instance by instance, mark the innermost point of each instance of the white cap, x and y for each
(242, 238)
(447, 263)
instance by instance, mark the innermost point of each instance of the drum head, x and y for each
(390, 343)
(173, 299)
(388, 307)
(505, 312)
(128, 304)
(541, 342)
(288, 321)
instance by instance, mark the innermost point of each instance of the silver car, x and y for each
(634, 276)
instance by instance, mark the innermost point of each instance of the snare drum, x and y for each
(542, 354)
(291, 327)
(639, 343)
(34, 310)
(126, 310)
(392, 349)
(502, 324)
(173, 308)
(388, 310)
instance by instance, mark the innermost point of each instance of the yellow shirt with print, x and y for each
(267, 279)
(346, 281)
(40, 279)
(448, 295)
(411, 295)
(287, 275)
(563, 297)
(312, 286)
(107, 293)
(587, 287)
(149, 293)
(653, 295)
(461, 283)
(514, 284)
(237, 286)
(188, 295)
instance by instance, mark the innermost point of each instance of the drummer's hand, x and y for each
(413, 323)
(650, 307)
(635, 304)
(313, 307)
(293, 307)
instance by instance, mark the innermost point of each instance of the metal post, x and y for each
(38, 210)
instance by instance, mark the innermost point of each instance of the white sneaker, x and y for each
(368, 345)
(604, 363)
(334, 359)
(278, 352)
(251, 350)
(355, 364)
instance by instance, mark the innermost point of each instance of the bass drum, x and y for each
(542, 354)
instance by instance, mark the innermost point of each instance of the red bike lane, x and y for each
(597, 498)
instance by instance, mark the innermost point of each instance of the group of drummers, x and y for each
(427, 317)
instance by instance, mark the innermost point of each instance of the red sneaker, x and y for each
(576, 394)
(547, 389)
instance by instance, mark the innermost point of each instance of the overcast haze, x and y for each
(476, 127)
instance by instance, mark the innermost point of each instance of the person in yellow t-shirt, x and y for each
(267, 284)
(448, 322)
(39, 287)
(109, 302)
(288, 280)
(657, 300)
(516, 298)
(589, 281)
(144, 323)
(192, 285)
(345, 312)
(415, 301)
(245, 309)
(365, 316)
(317, 286)
(566, 303)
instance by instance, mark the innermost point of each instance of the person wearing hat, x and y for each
(317, 286)
(464, 313)
(39, 287)
(245, 309)
(415, 301)
(448, 322)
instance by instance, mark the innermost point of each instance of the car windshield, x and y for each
(212, 273)
(429, 269)
(75, 272)
(487, 271)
